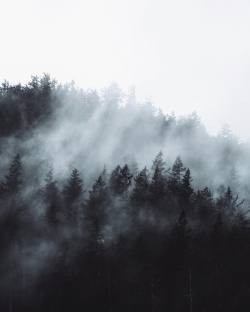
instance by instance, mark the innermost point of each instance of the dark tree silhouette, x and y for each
(158, 185)
(73, 191)
(186, 188)
(74, 187)
(141, 188)
(52, 199)
(96, 207)
(120, 180)
(13, 179)
(176, 174)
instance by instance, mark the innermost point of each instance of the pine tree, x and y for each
(141, 188)
(73, 192)
(74, 187)
(13, 180)
(158, 183)
(115, 180)
(120, 180)
(228, 204)
(159, 163)
(177, 172)
(126, 178)
(95, 211)
(186, 188)
(52, 199)
(99, 191)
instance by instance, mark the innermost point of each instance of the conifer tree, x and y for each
(177, 172)
(159, 163)
(52, 199)
(158, 183)
(141, 187)
(120, 180)
(74, 187)
(95, 212)
(13, 180)
(73, 192)
(186, 188)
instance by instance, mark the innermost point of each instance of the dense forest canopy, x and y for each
(64, 126)
(108, 204)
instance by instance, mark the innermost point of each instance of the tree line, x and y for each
(138, 240)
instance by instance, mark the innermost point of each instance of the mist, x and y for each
(93, 178)
(185, 56)
(90, 130)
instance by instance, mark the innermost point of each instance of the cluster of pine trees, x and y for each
(24, 107)
(138, 240)
(126, 239)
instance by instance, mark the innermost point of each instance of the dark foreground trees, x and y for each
(145, 243)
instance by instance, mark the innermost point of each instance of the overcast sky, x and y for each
(185, 55)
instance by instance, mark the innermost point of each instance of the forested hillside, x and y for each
(107, 204)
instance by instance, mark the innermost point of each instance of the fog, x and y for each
(93, 129)
(124, 183)
(184, 56)
(54, 246)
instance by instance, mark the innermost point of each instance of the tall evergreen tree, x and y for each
(177, 172)
(74, 187)
(73, 192)
(13, 179)
(159, 163)
(95, 212)
(227, 204)
(186, 188)
(52, 199)
(141, 188)
(115, 180)
(120, 180)
(158, 183)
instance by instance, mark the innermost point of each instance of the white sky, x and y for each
(184, 55)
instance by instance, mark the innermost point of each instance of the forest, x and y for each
(107, 204)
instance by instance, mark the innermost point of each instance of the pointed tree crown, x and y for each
(13, 180)
(177, 170)
(120, 180)
(74, 186)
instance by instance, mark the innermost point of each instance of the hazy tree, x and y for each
(13, 179)
(73, 192)
(74, 187)
(141, 188)
(120, 180)
(52, 199)
(115, 180)
(158, 183)
(227, 204)
(159, 163)
(96, 211)
(126, 178)
(186, 187)
(177, 173)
